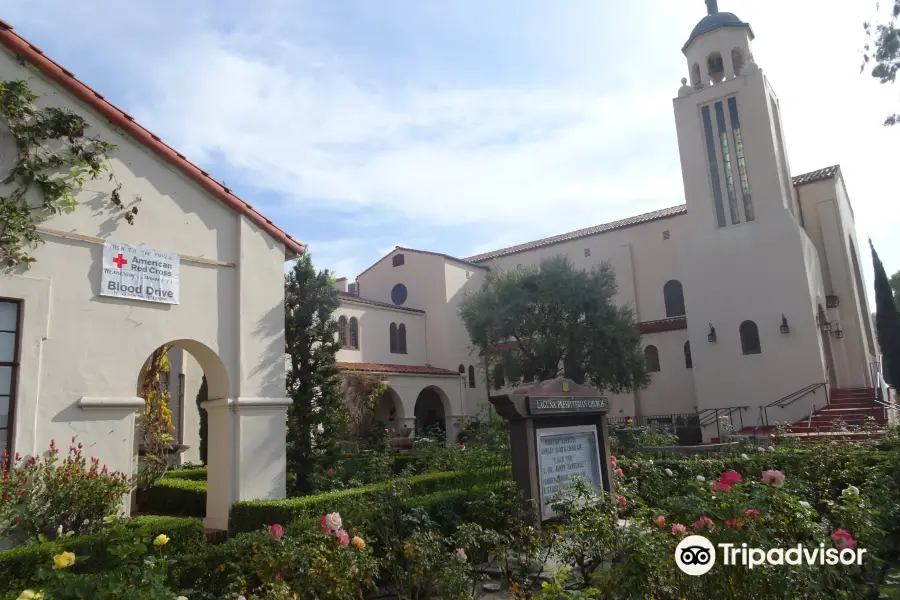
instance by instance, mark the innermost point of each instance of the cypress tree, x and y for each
(887, 323)
(203, 396)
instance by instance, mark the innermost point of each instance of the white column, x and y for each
(246, 455)
(453, 426)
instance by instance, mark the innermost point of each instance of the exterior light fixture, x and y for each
(712, 334)
(826, 326)
(785, 328)
(838, 332)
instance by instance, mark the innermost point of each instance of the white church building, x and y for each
(749, 297)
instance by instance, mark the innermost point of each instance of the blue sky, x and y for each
(462, 126)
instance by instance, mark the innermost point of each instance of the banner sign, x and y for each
(139, 274)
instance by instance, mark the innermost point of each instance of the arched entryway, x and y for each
(389, 411)
(431, 410)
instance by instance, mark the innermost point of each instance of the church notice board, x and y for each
(139, 274)
(564, 453)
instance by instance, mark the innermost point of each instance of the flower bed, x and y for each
(19, 566)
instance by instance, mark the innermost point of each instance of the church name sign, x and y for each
(551, 406)
(139, 274)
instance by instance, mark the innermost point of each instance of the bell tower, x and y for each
(747, 259)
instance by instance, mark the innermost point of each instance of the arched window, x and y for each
(401, 339)
(354, 333)
(688, 361)
(499, 378)
(471, 376)
(737, 60)
(696, 80)
(715, 67)
(342, 331)
(393, 334)
(462, 369)
(750, 338)
(651, 357)
(673, 294)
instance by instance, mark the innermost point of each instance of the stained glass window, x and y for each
(739, 153)
(713, 166)
(726, 158)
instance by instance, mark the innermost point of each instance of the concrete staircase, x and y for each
(853, 406)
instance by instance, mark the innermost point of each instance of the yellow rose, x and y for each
(161, 540)
(30, 595)
(64, 560)
(358, 543)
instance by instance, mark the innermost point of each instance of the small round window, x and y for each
(398, 294)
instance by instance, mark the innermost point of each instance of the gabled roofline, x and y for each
(23, 49)
(353, 298)
(404, 249)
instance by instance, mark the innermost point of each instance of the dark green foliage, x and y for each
(175, 497)
(895, 288)
(317, 416)
(255, 514)
(555, 320)
(881, 53)
(203, 396)
(887, 323)
(19, 566)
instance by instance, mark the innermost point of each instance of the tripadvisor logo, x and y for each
(696, 555)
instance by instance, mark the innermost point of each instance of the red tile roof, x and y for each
(398, 369)
(658, 326)
(122, 120)
(814, 176)
(348, 297)
(656, 215)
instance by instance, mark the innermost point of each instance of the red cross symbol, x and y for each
(119, 261)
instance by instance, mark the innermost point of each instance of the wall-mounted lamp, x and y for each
(826, 326)
(838, 332)
(712, 334)
(785, 328)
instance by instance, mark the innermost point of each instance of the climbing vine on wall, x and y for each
(154, 420)
(55, 157)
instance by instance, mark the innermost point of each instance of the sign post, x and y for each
(557, 431)
(139, 274)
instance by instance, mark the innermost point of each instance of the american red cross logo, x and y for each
(119, 261)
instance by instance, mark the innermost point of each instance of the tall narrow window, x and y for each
(393, 336)
(713, 166)
(673, 295)
(471, 376)
(499, 377)
(354, 333)
(401, 339)
(9, 367)
(739, 154)
(342, 330)
(726, 158)
(749, 338)
(462, 369)
(651, 357)
(688, 360)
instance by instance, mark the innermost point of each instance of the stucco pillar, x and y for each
(452, 424)
(246, 453)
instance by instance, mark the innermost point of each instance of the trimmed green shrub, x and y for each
(195, 474)
(176, 497)
(18, 567)
(255, 514)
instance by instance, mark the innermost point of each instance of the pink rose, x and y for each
(276, 531)
(679, 529)
(332, 521)
(843, 540)
(703, 523)
(752, 514)
(660, 521)
(620, 472)
(730, 478)
(622, 500)
(343, 537)
(773, 478)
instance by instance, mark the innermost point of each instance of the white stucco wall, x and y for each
(374, 335)
(81, 352)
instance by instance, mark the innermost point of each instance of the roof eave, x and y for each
(692, 39)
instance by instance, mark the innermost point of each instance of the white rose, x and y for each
(744, 456)
(651, 463)
(771, 448)
(461, 555)
(805, 505)
(701, 478)
(668, 472)
(333, 521)
(850, 492)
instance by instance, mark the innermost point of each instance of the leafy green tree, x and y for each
(887, 323)
(552, 320)
(317, 416)
(881, 52)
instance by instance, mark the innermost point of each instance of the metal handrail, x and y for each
(708, 416)
(791, 398)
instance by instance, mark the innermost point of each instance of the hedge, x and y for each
(254, 514)
(176, 497)
(18, 567)
(195, 474)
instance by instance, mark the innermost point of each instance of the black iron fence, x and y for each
(685, 426)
